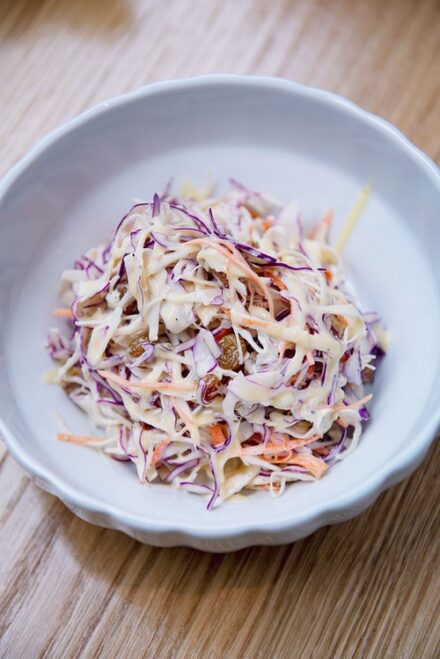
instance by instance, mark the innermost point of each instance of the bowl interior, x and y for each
(294, 143)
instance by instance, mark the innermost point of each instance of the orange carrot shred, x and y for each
(328, 276)
(154, 386)
(278, 281)
(159, 451)
(217, 435)
(79, 439)
(323, 227)
(353, 406)
(182, 413)
(310, 359)
(62, 313)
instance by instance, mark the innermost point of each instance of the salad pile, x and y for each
(217, 345)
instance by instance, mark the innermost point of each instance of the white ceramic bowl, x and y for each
(295, 142)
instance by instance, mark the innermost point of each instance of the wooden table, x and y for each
(366, 588)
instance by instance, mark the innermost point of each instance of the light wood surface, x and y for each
(366, 588)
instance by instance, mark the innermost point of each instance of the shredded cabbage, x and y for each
(217, 345)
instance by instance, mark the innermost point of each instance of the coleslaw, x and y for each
(217, 345)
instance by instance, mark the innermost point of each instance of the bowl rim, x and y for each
(389, 473)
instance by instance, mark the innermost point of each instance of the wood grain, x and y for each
(366, 588)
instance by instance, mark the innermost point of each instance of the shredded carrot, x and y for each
(183, 415)
(252, 321)
(278, 281)
(286, 443)
(255, 438)
(154, 386)
(322, 229)
(81, 439)
(61, 312)
(328, 276)
(310, 372)
(315, 465)
(235, 257)
(252, 213)
(217, 435)
(353, 406)
(188, 421)
(272, 328)
(261, 450)
(293, 379)
(279, 459)
(159, 451)
(341, 320)
(297, 443)
(267, 223)
(324, 451)
(232, 255)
